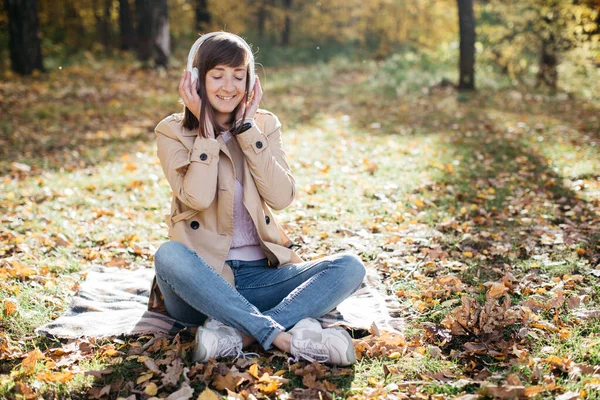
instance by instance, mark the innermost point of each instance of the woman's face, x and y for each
(225, 87)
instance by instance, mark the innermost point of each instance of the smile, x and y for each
(225, 98)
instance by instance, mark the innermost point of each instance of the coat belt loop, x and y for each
(183, 216)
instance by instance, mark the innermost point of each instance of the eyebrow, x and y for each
(237, 69)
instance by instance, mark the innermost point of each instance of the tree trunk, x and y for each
(287, 27)
(24, 43)
(125, 25)
(466, 21)
(143, 13)
(202, 15)
(261, 18)
(99, 23)
(547, 73)
(162, 42)
(74, 30)
(105, 27)
(153, 31)
(102, 16)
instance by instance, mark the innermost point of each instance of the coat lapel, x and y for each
(224, 147)
(237, 156)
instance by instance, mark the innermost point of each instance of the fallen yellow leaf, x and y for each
(372, 381)
(144, 377)
(496, 291)
(208, 394)
(533, 390)
(545, 326)
(30, 360)
(151, 389)
(48, 376)
(253, 370)
(9, 307)
(110, 351)
(22, 271)
(268, 388)
(564, 333)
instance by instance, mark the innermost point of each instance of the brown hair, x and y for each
(222, 49)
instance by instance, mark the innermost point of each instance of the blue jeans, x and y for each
(265, 301)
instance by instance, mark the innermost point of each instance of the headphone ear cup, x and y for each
(195, 75)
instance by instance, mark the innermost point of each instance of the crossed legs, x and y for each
(265, 302)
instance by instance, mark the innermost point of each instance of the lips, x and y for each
(226, 98)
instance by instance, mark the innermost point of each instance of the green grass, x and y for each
(387, 165)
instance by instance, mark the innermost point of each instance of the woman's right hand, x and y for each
(191, 99)
(189, 93)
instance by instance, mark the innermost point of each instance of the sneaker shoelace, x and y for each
(230, 347)
(311, 351)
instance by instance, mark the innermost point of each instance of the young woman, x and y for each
(228, 264)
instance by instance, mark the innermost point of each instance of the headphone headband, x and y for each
(196, 47)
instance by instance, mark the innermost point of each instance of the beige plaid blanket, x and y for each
(112, 302)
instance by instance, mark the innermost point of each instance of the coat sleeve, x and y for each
(191, 174)
(267, 162)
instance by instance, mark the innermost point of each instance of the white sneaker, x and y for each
(307, 323)
(313, 343)
(215, 340)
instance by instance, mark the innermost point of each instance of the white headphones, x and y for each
(201, 39)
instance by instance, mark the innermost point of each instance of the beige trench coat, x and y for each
(202, 175)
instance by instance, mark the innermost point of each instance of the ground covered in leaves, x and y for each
(480, 211)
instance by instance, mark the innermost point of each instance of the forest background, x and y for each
(465, 134)
(519, 39)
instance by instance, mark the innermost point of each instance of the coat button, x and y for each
(259, 145)
(203, 157)
(267, 219)
(194, 225)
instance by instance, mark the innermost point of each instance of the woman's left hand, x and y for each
(255, 100)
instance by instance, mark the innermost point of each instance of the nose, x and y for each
(228, 85)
